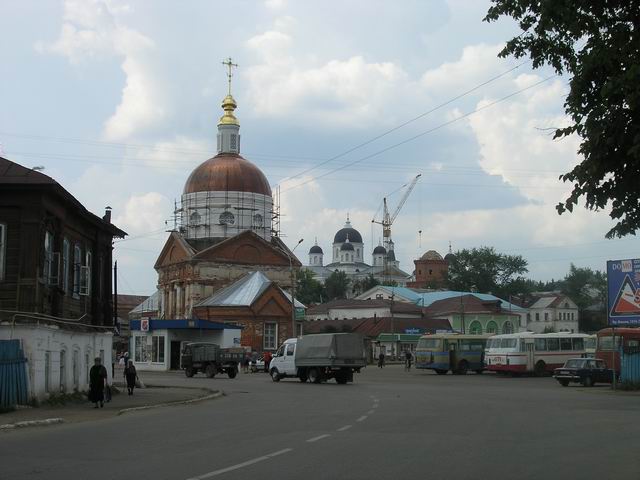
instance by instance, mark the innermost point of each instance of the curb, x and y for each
(32, 423)
(170, 404)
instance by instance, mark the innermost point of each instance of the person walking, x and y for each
(97, 380)
(381, 360)
(407, 360)
(267, 361)
(130, 376)
(245, 363)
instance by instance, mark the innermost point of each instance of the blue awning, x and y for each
(183, 324)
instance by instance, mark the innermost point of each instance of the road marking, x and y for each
(346, 427)
(370, 412)
(319, 437)
(364, 417)
(241, 465)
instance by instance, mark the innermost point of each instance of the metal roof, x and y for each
(243, 293)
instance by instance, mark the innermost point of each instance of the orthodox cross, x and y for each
(228, 62)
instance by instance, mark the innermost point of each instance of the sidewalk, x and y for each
(85, 411)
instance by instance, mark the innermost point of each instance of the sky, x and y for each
(340, 103)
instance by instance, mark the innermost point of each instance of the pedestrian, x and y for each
(97, 380)
(245, 363)
(381, 360)
(121, 362)
(267, 361)
(130, 376)
(254, 362)
(407, 360)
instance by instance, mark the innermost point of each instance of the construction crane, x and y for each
(387, 218)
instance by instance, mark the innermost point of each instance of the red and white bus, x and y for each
(529, 352)
(605, 349)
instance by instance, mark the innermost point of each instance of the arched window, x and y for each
(475, 328)
(492, 327)
(507, 327)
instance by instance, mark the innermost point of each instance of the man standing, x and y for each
(97, 381)
(407, 360)
(267, 361)
(381, 360)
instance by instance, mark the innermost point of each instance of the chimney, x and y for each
(107, 215)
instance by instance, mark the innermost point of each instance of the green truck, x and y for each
(210, 359)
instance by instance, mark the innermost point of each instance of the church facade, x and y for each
(348, 256)
(224, 233)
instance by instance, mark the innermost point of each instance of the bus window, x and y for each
(606, 343)
(565, 344)
(541, 344)
(633, 343)
(429, 343)
(508, 342)
(553, 344)
(589, 343)
(471, 345)
(493, 343)
(578, 343)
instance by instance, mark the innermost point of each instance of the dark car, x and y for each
(587, 371)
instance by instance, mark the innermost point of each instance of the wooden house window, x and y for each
(66, 264)
(77, 269)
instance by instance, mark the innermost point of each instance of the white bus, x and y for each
(528, 352)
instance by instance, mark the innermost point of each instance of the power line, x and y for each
(431, 130)
(404, 124)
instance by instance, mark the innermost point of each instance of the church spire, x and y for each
(229, 126)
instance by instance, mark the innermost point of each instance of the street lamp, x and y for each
(293, 291)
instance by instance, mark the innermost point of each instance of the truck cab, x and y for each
(283, 361)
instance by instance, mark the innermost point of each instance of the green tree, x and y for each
(337, 285)
(597, 45)
(308, 289)
(588, 288)
(485, 270)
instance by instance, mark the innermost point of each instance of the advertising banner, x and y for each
(623, 287)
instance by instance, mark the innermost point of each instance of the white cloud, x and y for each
(515, 144)
(143, 213)
(275, 4)
(351, 92)
(93, 28)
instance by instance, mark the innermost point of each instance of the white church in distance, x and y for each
(347, 255)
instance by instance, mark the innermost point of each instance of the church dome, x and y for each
(379, 250)
(347, 232)
(315, 249)
(346, 247)
(431, 255)
(227, 172)
(449, 257)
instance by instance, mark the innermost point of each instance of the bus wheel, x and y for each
(441, 372)
(463, 366)
(540, 369)
(479, 372)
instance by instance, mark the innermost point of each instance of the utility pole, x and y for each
(293, 292)
(115, 296)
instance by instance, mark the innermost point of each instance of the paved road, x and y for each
(388, 424)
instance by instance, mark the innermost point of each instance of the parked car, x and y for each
(587, 371)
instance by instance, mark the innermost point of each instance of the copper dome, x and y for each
(227, 172)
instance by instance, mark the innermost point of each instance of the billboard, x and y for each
(623, 292)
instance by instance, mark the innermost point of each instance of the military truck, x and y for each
(210, 359)
(318, 358)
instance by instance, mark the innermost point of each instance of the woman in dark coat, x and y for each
(131, 376)
(97, 380)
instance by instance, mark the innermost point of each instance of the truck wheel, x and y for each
(275, 376)
(314, 375)
(232, 372)
(303, 376)
(210, 371)
(587, 382)
(189, 372)
(540, 369)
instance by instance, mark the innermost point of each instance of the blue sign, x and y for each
(413, 331)
(623, 292)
